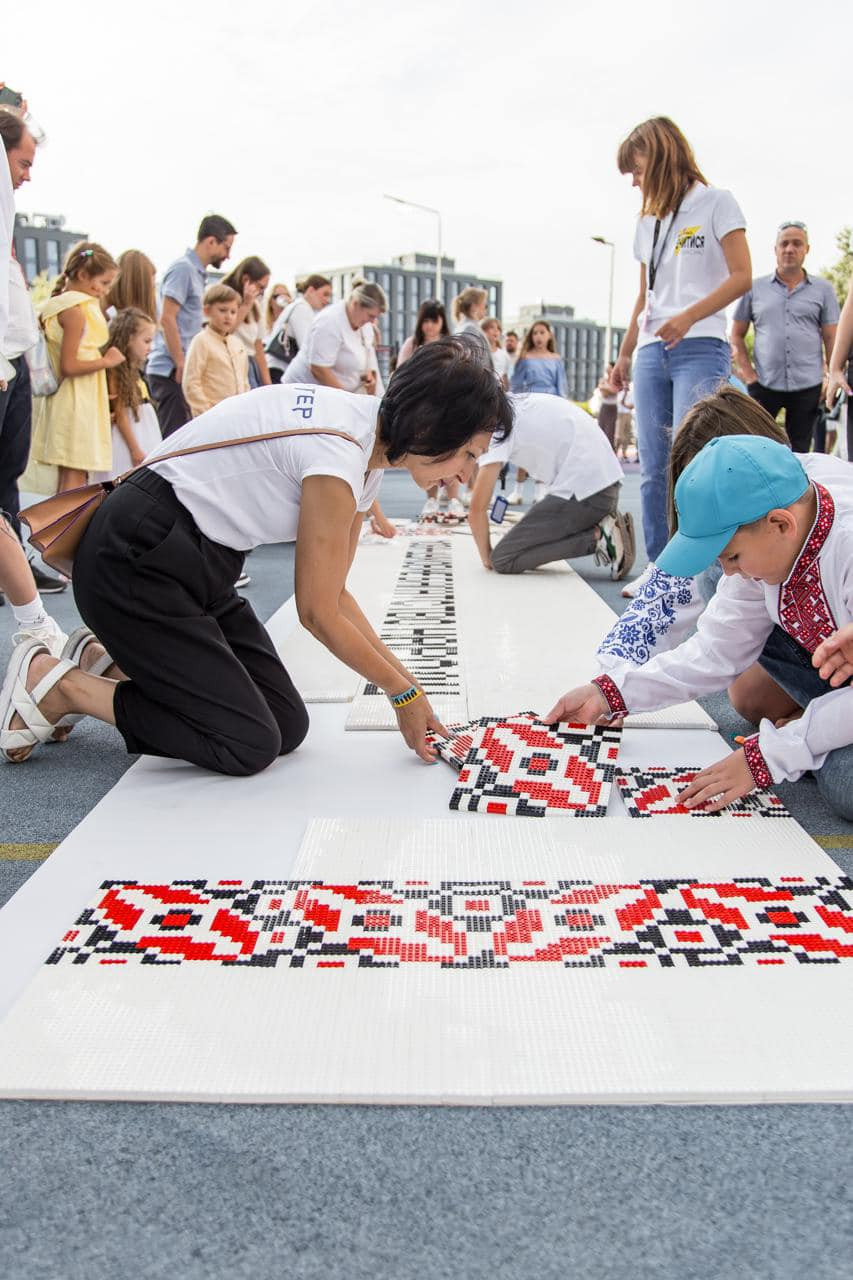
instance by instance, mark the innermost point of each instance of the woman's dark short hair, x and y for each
(441, 397)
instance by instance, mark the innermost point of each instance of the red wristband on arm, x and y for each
(614, 698)
(756, 763)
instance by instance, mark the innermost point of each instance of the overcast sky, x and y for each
(293, 119)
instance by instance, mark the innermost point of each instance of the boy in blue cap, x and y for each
(786, 548)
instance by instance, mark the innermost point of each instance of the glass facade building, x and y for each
(41, 242)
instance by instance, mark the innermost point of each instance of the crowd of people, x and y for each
(252, 415)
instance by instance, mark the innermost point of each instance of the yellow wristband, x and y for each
(403, 699)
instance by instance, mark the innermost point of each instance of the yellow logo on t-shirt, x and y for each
(689, 239)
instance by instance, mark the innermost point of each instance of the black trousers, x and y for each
(172, 409)
(16, 423)
(800, 411)
(205, 682)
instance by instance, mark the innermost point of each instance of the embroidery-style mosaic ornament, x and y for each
(519, 765)
(655, 790)
(466, 924)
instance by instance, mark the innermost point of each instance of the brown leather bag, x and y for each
(57, 525)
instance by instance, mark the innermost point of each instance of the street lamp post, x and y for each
(425, 208)
(608, 338)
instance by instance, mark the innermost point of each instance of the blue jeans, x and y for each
(666, 385)
(790, 665)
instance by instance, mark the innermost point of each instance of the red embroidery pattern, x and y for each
(656, 789)
(519, 765)
(757, 764)
(465, 924)
(804, 611)
(615, 701)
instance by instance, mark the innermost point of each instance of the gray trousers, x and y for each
(554, 529)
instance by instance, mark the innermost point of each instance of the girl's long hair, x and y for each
(134, 284)
(85, 259)
(430, 310)
(671, 167)
(527, 344)
(728, 412)
(256, 269)
(124, 378)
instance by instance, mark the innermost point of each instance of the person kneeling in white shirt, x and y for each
(785, 545)
(563, 445)
(199, 677)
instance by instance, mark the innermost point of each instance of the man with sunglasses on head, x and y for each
(181, 318)
(794, 316)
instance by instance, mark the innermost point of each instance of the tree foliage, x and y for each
(840, 272)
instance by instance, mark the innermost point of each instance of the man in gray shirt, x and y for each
(181, 318)
(794, 316)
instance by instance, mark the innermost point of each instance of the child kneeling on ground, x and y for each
(785, 545)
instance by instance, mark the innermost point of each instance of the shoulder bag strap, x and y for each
(229, 444)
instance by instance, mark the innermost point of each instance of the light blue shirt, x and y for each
(788, 344)
(184, 282)
(538, 373)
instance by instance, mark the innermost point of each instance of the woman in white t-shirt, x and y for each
(341, 348)
(154, 575)
(694, 260)
(294, 323)
(250, 278)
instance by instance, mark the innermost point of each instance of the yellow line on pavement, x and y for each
(30, 852)
(835, 842)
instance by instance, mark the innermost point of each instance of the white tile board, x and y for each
(320, 677)
(528, 638)
(535, 1032)
(420, 616)
(175, 820)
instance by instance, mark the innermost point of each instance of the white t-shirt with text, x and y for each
(692, 263)
(249, 495)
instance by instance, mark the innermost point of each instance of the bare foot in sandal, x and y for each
(89, 659)
(49, 709)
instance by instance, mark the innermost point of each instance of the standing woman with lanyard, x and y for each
(694, 261)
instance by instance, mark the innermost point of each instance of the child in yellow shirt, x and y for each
(217, 365)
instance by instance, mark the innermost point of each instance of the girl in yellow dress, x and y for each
(74, 429)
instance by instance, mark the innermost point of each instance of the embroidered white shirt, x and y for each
(815, 599)
(664, 611)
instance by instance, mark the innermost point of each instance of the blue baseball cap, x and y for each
(731, 482)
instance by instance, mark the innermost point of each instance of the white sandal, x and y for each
(16, 699)
(72, 652)
(75, 645)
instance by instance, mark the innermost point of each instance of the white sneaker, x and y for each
(540, 491)
(49, 633)
(243, 580)
(516, 498)
(630, 589)
(429, 511)
(455, 509)
(615, 546)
